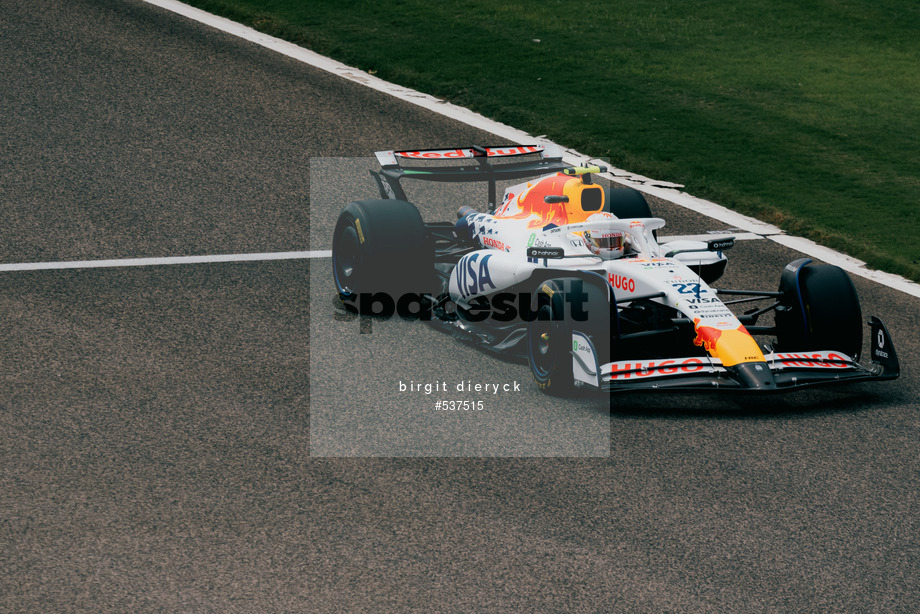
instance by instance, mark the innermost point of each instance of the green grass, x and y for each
(805, 115)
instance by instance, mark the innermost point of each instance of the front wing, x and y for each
(780, 372)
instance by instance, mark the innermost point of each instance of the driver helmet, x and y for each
(609, 244)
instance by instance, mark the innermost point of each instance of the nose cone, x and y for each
(731, 346)
(755, 376)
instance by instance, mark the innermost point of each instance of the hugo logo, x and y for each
(621, 282)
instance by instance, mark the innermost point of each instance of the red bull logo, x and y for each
(731, 346)
(531, 203)
(707, 337)
(448, 154)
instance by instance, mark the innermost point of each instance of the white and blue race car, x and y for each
(570, 275)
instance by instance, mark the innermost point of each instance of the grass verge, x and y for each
(804, 115)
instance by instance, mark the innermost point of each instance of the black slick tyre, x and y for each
(549, 335)
(626, 203)
(820, 311)
(380, 246)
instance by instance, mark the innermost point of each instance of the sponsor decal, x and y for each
(816, 360)
(720, 245)
(440, 154)
(701, 300)
(473, 275)
(493, 243)
(710, 311)
(878, 351)
(358, 228)
(653, 368)
(512, 151)
(545, 252)
(584, 363)
(707, 337)
(621, 282)
(448, 154)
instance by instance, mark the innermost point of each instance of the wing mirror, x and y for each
(712, 245)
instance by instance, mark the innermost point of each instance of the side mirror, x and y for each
(712, 245)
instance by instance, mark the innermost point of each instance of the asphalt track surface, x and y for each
(155, 421)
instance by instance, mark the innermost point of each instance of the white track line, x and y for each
(128, 262)
(664, 190)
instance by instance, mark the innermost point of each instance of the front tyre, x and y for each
(556, 317)
(819, 311)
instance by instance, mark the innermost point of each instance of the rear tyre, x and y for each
(626, 203)
(549, 335)
(380, 246)
(820, 311)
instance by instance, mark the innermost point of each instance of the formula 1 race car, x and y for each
(570, 274)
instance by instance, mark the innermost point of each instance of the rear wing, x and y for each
(543, 159)
(392, 158)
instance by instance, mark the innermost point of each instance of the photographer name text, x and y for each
(462, 386)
